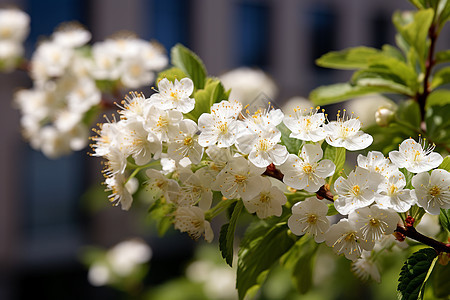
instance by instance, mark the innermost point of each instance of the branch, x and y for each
(412, 233)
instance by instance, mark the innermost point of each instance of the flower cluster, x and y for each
(14, 28)
(68, 79)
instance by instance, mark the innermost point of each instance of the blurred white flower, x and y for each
(127, 255)
(432, 191)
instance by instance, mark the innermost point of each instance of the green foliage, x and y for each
(332, 210)
(226, 237)
(171, 74)
(441, 77)
(415, 273)
(408, 178)
(408, 113)
(263, 245)
(300, 261)
(444, 219)
(445, 164)
(438, 124)
(213, 92)
(442, 56)
(438, 98)
(441, 282)
(329, 94)
(348, 59)
(292, 145)
(190, 64)
(336, 155)
(161, 212)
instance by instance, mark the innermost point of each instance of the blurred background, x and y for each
(44, 219)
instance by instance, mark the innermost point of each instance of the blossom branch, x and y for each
(411, 232)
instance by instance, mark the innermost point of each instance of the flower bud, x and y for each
(384, 115)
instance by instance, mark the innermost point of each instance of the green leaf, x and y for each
(347, 59)
(444, 219)
(438, 124)
(334, 93)
(292, 145)
(336, 155)
(409, 112)
(393, 52)
(415, 273)
(415, 31)
(161, 212)
(442, 56)
(440, 282)
(441, 77)
(385, 85)
(262, 246)
(204, 98)
(171, 74)
(438, 98)
(408, 178)
(226, 238)
(190, 64)
(443, 12)
(420, 4)
(445, 165)
(300, 261)
(332, 210)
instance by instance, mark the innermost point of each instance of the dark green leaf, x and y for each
(415, 273)
(444, 219)
(262, 246)
(334, 93)
(393, 52)
(190, 64)
(386, 85)
(386, 139)
(292, 145)
(409, 112)
(438, 123)
(352, 58)
(420, 4)
(438, 98)
(336, 155)
(300, 261)
(171, 74)
(445, 165)
(226, 238)
(408, 178)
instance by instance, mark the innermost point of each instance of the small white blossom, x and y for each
(357, 191)
(124, 257)
(345, 239)
(161, 185)
(162, 123)
(139, 143)
(372, 223)
(134, 74)
(375, 162)
(196, 187)
(14, 24)
(414, 157)
(184, 143)
(306, 172)
(174, 95)
(71, 35)
(432, 191)
(192, 220)
(306, 127)
(268, 202)
(347, 134)
(133, 107)
(239, 179)
(119, 192)
(220, 126)
(261, 120)
(364, 267)
(391, 193)
(309, 216)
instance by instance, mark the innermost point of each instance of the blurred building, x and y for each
(42, 225)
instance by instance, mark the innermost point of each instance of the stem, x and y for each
(412, 233)
(429, 63)
(220, 207)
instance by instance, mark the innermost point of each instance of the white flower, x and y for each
(345, 239)
(185, 144)
(432, 191)
(161, 185)
(134, 74)
(52, 58)
(14, 25)
(133, 107)
(220, 126)
(268, 203)
(309, 216)
(153, 56)
(99, 274)
(263, 148)
(162, 123)
(372, 223)
(392, 195)
(9, 54)
(139, 143)
(107, 138)
(116, 161)
(347, 134)
(306, 172)
(54, 143)
(71, 35)
(261, 120)
(127, 255)
(119, 192)
(414, 157)
(306, 127)
(105, 62)
(375, 162)
(83, 96)
(196, 187)
(357, 191)
(239, 179)
(192, 220)
(174, 95)
(364, 267)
